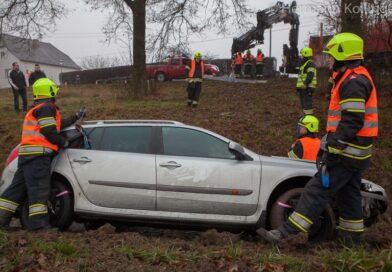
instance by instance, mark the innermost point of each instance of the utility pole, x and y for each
(321, 37)
(270, 43)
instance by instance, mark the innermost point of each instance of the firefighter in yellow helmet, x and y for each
(41, 140)
(307, 145)
(347, 148)
(195, 75)
(307, 80)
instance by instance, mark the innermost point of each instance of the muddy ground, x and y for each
(262, 117)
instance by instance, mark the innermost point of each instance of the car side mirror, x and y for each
(237, 150)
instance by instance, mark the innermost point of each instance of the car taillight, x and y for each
(13, 155)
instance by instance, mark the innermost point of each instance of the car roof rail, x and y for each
(114, 122)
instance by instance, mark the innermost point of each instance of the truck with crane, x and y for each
(280, 12)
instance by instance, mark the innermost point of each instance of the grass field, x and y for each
(260, 117)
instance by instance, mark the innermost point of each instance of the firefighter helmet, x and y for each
(345, 46)
(44, 87)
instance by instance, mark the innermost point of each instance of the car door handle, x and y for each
(82, 160)
(170, 164)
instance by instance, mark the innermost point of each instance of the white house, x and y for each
(29, 52)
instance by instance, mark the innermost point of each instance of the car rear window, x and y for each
(193, 143)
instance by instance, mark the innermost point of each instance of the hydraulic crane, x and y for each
(280, 12)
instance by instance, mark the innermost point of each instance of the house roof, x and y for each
(36, 51)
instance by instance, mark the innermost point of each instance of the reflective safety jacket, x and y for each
(238, 59)
(196, 72)
(248, 58)
(307, 76)
(353, 114)
(259, 58)
(33, 142)
(305, 148)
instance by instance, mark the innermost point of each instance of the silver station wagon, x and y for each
(168, 172)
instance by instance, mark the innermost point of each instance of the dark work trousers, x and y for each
(194, 90)
(259, 69)
(345, 187)
(248, 70)
(237, 70)
(32, 179)
(305, 97)
(22, 93)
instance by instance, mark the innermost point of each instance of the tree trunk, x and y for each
(139, 77)
(351, 16)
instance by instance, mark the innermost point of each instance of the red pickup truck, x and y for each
(174, 68)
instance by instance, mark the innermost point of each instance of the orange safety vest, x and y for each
(370, 126)
(310, 148)
(33, 142)
(193, 68)
(238, 59)
(259, 57)
(248, 57)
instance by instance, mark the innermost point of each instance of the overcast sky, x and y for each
(80, 33)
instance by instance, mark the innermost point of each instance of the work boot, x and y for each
(272, 236)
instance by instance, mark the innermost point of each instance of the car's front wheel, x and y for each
(60, 207)
(323, 229)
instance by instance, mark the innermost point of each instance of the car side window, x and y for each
(193, 143)
(126, 139)
(95, 136)
(175, 62)
(77, 141)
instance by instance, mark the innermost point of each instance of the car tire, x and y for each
(160, 77)
(61, 210)
(322, 230)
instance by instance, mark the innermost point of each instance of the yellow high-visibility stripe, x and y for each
(37, 205)
(360, 147)
(351, 230)
(9, 201)
(48, 125)
(351, 110)
(6, 209)
(304, 218)
(46, 118)
(352, 100)
(297, 225)
(351, 221)
(38, 213)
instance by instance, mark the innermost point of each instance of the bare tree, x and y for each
(175, 21)
(96, 62)
(29, 17)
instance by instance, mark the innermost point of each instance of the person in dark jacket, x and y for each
(352, 126)
(17, 81)
(37, 74)
(41, 140)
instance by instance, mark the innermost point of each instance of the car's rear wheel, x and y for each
(60, 207)
(322, 229)
(160, 77)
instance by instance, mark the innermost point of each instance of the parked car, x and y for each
(169, 172)
(174, 68)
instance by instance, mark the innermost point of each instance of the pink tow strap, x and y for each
(62, 193)
(284, 205)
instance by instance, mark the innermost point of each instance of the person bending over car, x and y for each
(41, 140)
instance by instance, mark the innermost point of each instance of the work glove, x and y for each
(81, 113)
